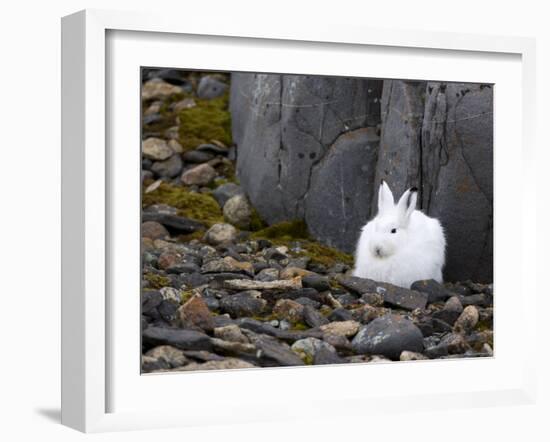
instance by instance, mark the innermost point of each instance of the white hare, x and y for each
(400, 245)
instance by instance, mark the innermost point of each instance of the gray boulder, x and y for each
(439, 138)
(388, 336)
(292, 133)
(335, 206)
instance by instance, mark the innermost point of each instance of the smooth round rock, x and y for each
(237, 211)
(389, 336)
(156, 149)
(220, 233)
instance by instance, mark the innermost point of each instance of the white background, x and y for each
(30, 216)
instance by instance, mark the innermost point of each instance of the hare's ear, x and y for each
(407, 204)
(385, 197)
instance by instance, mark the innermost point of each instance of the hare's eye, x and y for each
(393, 230)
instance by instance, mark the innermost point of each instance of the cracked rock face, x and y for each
(439, 137)
(308, 149)
(293, 134)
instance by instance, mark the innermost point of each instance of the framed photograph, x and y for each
(249, 213)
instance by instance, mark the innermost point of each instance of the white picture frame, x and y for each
(88, 333)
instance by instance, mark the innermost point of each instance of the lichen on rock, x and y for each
(198, 206)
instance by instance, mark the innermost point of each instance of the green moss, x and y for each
(289, 232)
(226, 169)
(308, 359)
(265, 318)
(208, 120)
(198, 206)
(327, 256)
(157, 281)
(299, 326)
(256, 222)
(185, 296)
(283, 232)
(484, 325)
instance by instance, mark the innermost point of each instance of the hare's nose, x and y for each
(378, 251)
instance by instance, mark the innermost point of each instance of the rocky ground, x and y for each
(221, 289)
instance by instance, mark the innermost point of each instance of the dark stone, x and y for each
(146, 163)
(225, 192)
(316, 267)
(150, 364)
(309, 293)
(184, 267)
(222, 321)
(440, 326)
(169, 168)
(146, 175)
(144, 322)
(168, 310)
(451, 344)
(309, 302)
(313, 318)
(480, 299)
(436, 291)
(197, 156)
(257, 326)
(247, 303)
(347, 299)
(176, 262)
(179, 338)
(477, 287)
(267, 274)
(211, 303)
(150, 300)
(272, 353)
(193, 280)
(317, 282)
(264, 244)
(273, 253)
(173, 222)
(393, 295)
(388, 336)
(209, 88)
(459, 289)
(152, 119)
(450, 311)
(296, 335)
(426, 326)
(340, 343)
(324, 356)
(172, 76)
(340, 314)
(213, 148)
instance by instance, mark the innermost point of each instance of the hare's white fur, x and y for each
(400, 245)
